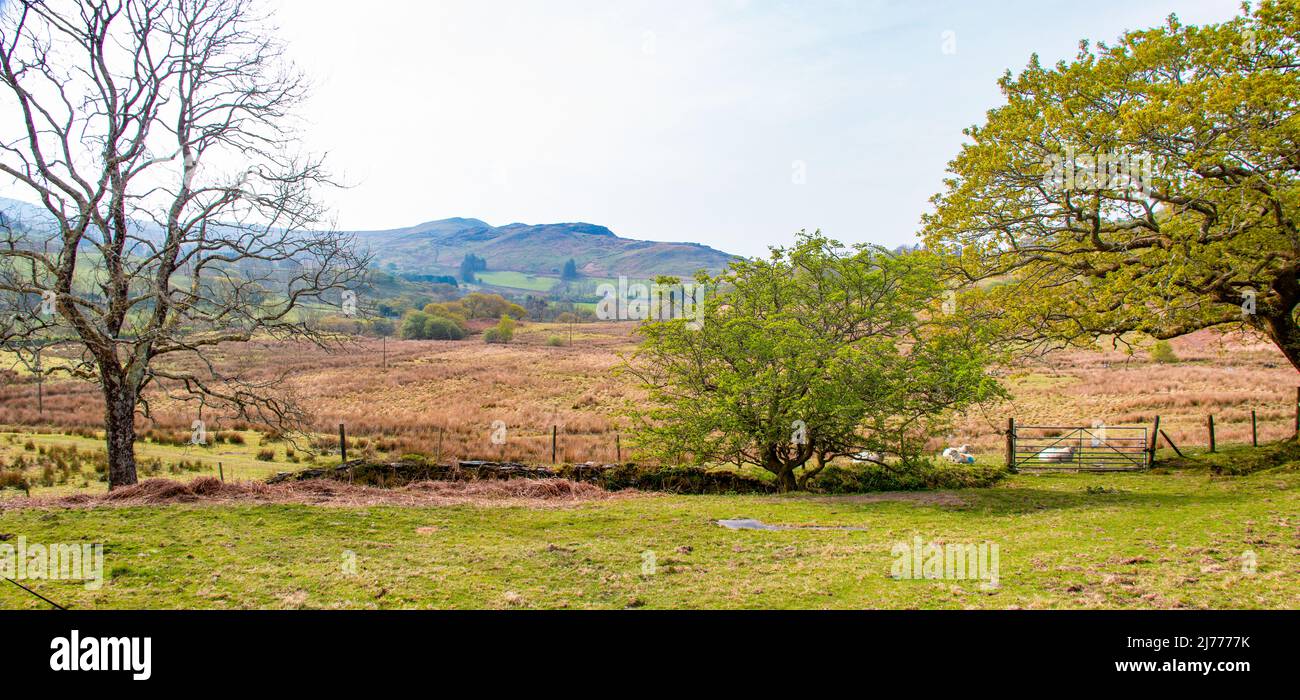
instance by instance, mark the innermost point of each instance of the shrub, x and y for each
(420, 325)
(479, 305)
(915, 476)
(266, 454)
(413, 325)
(452, 311)
(555, 341)
(14, 479)
(437, 328)
(672, 479)
(503, 332)
(1163, 352)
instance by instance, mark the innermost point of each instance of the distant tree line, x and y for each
(469, 266)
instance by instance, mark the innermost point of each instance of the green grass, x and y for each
(1127, 540)
(236, 461)
(517, 280)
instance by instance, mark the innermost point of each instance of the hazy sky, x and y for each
(670, 119)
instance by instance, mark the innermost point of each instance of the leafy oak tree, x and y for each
(1149, 185)
(174, 216)
(816, 352)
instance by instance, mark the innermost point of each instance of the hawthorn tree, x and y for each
(816, 352)
(1149, 185)
(174, 215)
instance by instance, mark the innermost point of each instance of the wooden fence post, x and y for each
(1155, 442)
(437, 459)
(618, 448)
(555, 431)
(221, 471)
(1209, 422)
(1254, 429)
(343, 444)
(1011, 444)
(1297, 412)
(40, 384)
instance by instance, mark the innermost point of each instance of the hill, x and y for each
(541, 249)
(438, 247)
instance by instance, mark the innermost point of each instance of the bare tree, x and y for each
(175, 215)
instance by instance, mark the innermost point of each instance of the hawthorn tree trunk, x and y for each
(119, 430)
(784, 471)
(1279, 320)
(785, 481)
(808, 473)
(1286, 335)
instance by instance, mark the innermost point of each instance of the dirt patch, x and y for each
(534, 493)
(927, 498)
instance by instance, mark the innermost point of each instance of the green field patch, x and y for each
(517, 280)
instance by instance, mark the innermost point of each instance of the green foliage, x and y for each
(414, 324)
(419, 325)
(452, 311)
(917, 475)
(554, 341)
(818, 351)
(437, 328)
(479, 305)
(503, 332)
(1163, 352)
(378, 327)
(1208, 119)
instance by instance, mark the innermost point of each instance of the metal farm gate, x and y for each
(1101, 448)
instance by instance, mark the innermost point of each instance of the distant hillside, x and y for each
(540, 249)
(438, 247)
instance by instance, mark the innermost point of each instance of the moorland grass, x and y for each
(1181, 537)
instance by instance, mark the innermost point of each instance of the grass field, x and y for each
(517, 280)
(1149, 540)
(460, 388)
(1145, 540)
(216, 459)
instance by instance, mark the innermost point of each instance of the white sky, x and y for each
(669, 119)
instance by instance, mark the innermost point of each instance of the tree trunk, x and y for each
(1284, 332)
(808, 474)
(119, 429)
(784, 471)
(785, 481)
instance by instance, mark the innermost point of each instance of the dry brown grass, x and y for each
(461, 388)
(519, 492)
(1223, 375)
(456, 388)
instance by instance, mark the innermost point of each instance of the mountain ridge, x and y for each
(537, 249)
(439, 246)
